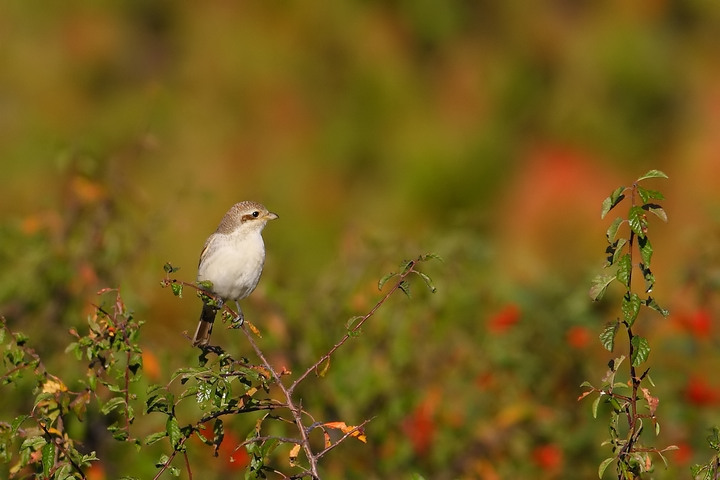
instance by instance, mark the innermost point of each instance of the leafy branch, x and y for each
(638, 404)
(254, 379)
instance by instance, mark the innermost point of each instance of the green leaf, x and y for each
(650, 302)
(612, 230)
(428, 281)
(614, 250)
(624, 270)
(173, 431)
(204, 393)
(177, 289)
(169, 268)
(32, 443)
(384, 279)
(607, 337)
(48, 458)
(610, 202)
(603, 466)
(155, 437)
(641, 350)
(112, 404)
(648, 276)
(656, 210)
(405, 287)
(430, 256)
(594, 407)
(637, 221)
(630, 308)
(646, 194)
(218, 434)
(16, 423)
(652, 174)
(599, 285)
(646, 249)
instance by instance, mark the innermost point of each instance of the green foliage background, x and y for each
(486, 132)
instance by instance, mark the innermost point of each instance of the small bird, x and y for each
(232, 259)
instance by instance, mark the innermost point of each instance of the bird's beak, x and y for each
(271, 216)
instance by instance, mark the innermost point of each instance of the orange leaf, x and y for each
(253, 329)
(353, 431)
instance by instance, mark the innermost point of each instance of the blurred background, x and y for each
(485, 132)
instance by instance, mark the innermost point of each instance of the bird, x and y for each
(232, 260)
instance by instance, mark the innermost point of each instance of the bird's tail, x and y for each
(204, 328)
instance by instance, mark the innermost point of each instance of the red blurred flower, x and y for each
(548, 457)
(96, 472)
(504, 319)
(699, 392)
(698, 323)
(578, 337)
(420, 426)
(234, 459)
(420, 429)
(684, 454)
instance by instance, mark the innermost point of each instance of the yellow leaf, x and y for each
(294, 454)
(322, 370)
(54, 386)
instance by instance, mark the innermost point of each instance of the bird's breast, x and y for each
(233, 263)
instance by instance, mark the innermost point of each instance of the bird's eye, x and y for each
(256, 214)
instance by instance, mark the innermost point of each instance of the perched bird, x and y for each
(232, 259)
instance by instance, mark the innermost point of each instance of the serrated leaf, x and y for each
(155, 437)
(599, 285)
(405, 287)
(169, 268)
(384, 279)
(652, 174)
(48, 458)
(173, 430)
(624, 270)
(646, 194)
(607, 337)
(32, 443)
(646, 249)
(603, 466)
(613, 229)
(610, 202)
(430, 256)
(112, 404)
(641, 350)
(407, 265)
(177, 289)
(637, 220)
(204, 393)
(630, 308)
